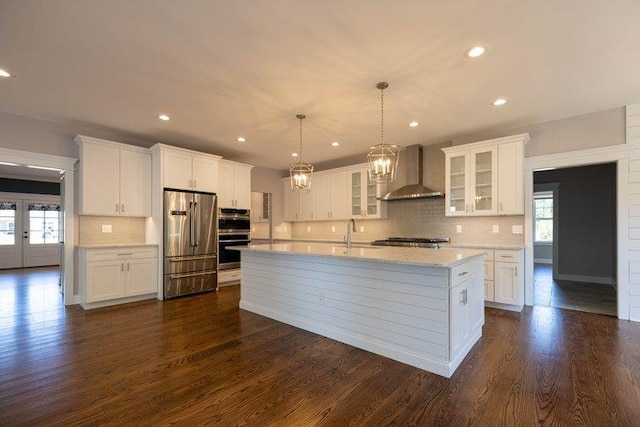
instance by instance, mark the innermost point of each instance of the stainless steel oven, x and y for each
(234, 229)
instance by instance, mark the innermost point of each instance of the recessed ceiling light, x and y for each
(335, 144)
(474, 52)
(4, 73)
(294, 154)
(414, 124)
(241, 139)
(499, 102)
(164, 117)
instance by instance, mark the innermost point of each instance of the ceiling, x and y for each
(223, 69)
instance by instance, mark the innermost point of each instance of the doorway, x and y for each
(574, 238)
(29, 230)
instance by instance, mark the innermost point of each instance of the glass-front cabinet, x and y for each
(363, 195)
(471, 183)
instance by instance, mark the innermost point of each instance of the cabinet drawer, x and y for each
(507, 255)
(120, 253)
(466, 271)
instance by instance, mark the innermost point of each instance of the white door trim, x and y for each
(618, 154)
(68, 165)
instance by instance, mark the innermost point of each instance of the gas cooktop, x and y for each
(412, 242)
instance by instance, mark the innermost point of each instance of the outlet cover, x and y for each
(107, 228)
(362, 228)
(279, 229)
(458, 229)
(496, 228)
(516, 229)
(333, 228)
(309, 229)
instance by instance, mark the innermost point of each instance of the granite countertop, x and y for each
(426, 257)
(482, 246)
(116, 245)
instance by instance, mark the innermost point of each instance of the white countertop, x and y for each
(482, 246)
(117, 246)
(414, 256)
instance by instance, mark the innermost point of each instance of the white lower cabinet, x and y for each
(467, 309)
(504, 278)
(110, 276)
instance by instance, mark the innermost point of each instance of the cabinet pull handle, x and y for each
(128, 265)
(194, 184)
(125, 254)
(462, 273)
(122, 266)
(516, 271)
(506, 256)
(117, 206)
(500, 206)
(122, 208)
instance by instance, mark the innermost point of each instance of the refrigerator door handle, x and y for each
(192, 232)
(196, 221)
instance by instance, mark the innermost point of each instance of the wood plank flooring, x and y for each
(589, 297)
(201, 361)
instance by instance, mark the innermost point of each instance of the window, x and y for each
(7, 223)
(43, 223)
(543, 216)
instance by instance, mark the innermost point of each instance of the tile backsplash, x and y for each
(420, 218)
(124, 230)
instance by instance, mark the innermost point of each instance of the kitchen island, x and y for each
(423, 307)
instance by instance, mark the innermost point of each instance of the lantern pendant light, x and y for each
(382, 158)
(300, 171)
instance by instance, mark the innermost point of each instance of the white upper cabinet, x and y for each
(362, 195)
(331, 196)
(115, 179)
(485, 178)
(234, 185)
(189, 170)
(290, 201)
(510, 179)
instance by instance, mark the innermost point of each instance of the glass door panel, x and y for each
(372, 198)
(10, 233)
(483, 181)
(457, 180)
(356, 193)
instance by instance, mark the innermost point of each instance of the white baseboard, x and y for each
(542, 261)
(587, 279)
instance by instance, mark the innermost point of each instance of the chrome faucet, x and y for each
(351, 226)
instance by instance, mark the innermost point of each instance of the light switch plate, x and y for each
(458, 229)
(333, 228)
(107, 228)
(516, 229)
(496, 228)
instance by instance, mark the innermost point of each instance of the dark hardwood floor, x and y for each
(201, 361)
(589, 297)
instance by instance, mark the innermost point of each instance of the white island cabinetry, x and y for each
(423, 307)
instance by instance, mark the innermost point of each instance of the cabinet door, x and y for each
(355, 202)
(483, 200)
(140, 276)
(307, 205)
(242, 187)
(456, 203)
(225, 185)
(476, 303)
(100, 180)
(510, 179)
(459, 319)
(322, 188)
(178, 168)
(205, 174)
(135, 183)
(338, 192)
(289, 202)
(257, 214)
(507, 289)
(105, 280)
(489, 287)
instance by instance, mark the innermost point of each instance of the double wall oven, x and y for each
(234, 229)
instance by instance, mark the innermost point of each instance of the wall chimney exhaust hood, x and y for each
(414, 188)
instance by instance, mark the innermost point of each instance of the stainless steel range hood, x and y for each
(414, 188)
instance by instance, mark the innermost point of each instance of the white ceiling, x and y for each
(222, 69)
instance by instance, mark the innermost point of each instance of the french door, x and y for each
(29, 233)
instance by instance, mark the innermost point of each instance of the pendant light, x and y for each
(382, 158)
(300, 171)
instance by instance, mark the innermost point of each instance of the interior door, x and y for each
(10, 233)
(40, 232)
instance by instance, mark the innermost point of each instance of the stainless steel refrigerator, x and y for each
(190, 243)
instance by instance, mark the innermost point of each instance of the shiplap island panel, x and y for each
(423, 307)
